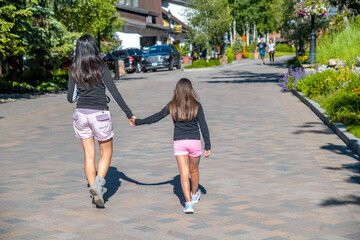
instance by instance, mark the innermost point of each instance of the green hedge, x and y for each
(284, 48)
(203, 63)
(57, 81)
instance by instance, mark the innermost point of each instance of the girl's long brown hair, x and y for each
(184, 105)
(88, 64)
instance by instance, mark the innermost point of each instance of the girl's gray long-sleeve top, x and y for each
(183, 130)
(95, 97)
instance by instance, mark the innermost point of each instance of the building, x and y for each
(147, 22)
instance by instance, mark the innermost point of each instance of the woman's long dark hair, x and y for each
(184, 105)
(88, 63)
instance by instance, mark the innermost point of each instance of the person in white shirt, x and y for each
(271, 51)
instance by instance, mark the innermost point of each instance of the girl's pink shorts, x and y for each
(189, 147)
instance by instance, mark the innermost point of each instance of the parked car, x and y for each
(132, 58)
(161, 56)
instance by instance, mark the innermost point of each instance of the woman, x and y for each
(271, 51)
(89, 78)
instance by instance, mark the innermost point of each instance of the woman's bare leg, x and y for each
(106, 148)
(183, 163)
(89, 159)
(194, 171)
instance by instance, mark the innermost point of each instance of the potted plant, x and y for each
(253, 46)
(238, 48)
(185, 50)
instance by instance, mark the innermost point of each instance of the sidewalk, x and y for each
(276, 171)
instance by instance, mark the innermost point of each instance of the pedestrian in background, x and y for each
(187, 114)
(262, 50)
(89, 77)
(271, 51)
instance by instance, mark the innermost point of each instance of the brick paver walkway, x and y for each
(276, 171)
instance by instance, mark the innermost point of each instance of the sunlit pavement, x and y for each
(276, 171)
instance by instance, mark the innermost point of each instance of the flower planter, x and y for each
(238, 56)
(256, 55)
(186, 59)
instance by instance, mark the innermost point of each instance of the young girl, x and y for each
(89, 77)
(187, 114)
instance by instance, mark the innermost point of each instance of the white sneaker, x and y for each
(195, 198)
(189, 208)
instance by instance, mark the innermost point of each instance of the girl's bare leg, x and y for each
(89, 159)
(183, 163)
(194, 171)
(106, 149)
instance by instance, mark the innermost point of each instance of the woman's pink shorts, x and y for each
(189, 147)
(93, 123)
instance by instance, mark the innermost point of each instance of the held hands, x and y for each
(207, 153)
(132, 121)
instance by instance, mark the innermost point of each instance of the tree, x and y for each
(96, 17)
(13, 15)
(208, 21)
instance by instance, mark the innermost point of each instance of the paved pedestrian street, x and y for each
(276, 171)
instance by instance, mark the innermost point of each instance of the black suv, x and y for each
(161, 56)
(131, 57)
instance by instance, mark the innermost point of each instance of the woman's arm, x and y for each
(204, 128)
(115, 94)
(72, 95)
(153, 118)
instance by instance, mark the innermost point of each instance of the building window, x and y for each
(122, 2)
(128, 2)
(135, 3)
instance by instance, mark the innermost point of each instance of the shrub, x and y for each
(253, 46)
(248, 52)
(338, 93)
(290, 79)
(344, 107)
(230, 54)
(185, 50)
(238, 45)
(203, 63)
(284, 48)
(60, 78)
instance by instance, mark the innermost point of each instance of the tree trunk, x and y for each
(13, 68)
(247, 34)
(232, 34)
(1, 69)
(255, 33)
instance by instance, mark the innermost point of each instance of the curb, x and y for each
(240, 63)
(340, 129)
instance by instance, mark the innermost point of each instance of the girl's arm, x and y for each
(153, 118)
(72, 95)
(115, 94)
(204, 128)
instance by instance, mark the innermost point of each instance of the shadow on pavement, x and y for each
(113, 182)
(354, 168)
(246, 77)
(349, 199)
(306, 128)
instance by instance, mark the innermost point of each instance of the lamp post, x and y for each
(312, 55)
(169, 17)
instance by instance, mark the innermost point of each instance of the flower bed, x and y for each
(337, 92)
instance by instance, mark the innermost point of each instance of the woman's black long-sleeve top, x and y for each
(95, 97)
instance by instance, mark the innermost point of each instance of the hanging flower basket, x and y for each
(308, 8)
